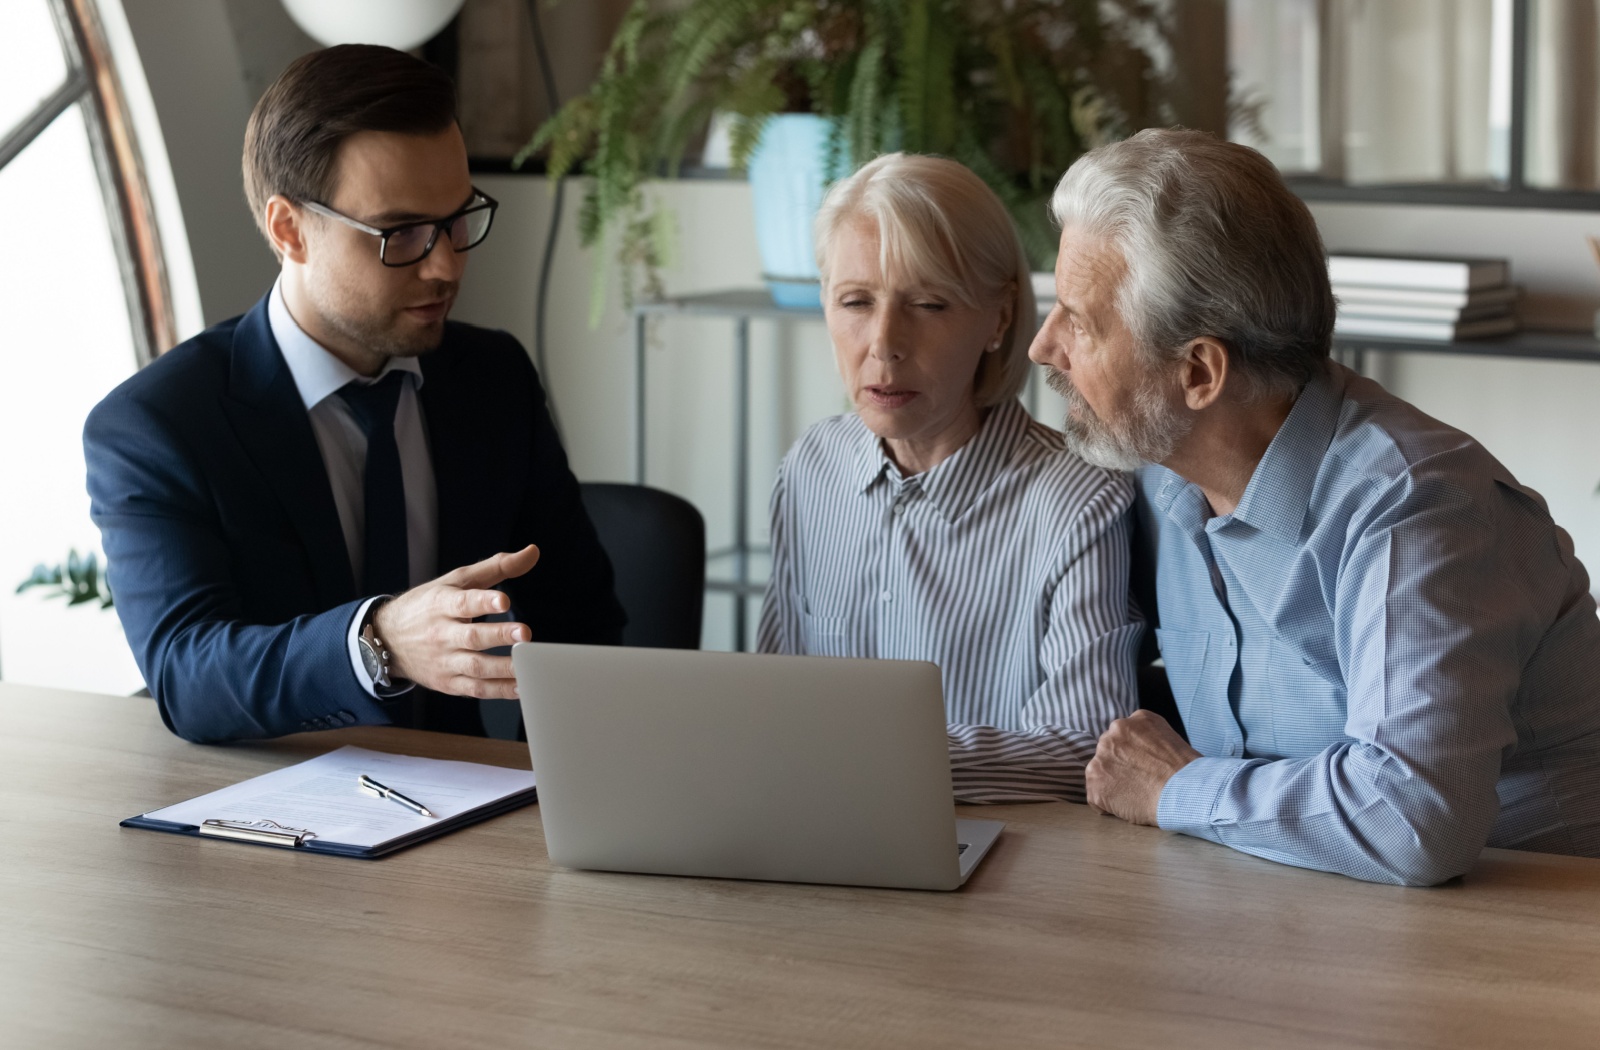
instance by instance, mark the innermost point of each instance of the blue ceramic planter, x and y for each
(787, 181)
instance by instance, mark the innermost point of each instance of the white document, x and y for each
(322, 796)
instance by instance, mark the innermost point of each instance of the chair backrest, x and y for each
(657, 545)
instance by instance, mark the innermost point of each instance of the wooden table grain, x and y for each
(1076, 931)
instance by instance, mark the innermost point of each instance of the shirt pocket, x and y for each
(1184, 653)
(1307, 697)
(825, 635)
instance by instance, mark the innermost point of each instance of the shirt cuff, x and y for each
(352, 642)
(1189, 799)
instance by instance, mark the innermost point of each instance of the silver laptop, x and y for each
(786, 768)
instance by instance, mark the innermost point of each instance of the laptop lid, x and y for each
(797, 769)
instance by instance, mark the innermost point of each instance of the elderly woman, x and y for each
(938, 521)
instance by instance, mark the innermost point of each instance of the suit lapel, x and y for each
(271, 422)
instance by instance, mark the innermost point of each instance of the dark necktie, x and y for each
(388, 560)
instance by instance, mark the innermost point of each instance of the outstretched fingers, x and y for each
(495, 569)
(431, 633)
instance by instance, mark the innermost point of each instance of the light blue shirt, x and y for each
(1387, 653)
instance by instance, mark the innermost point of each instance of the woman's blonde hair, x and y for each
(939, 224)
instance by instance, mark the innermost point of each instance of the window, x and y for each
(85, 303)
(1444, 101)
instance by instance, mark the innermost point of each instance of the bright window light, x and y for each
(70, 338)
(34, 66)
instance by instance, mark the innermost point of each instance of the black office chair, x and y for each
(657, 545)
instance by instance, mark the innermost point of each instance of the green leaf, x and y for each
(915, 73)
(79, 578)
(863, 127)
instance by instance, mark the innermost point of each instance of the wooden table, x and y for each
(1077, 930)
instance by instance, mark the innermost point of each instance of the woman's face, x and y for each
(908, 353)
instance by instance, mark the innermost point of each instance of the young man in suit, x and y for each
(327, 511)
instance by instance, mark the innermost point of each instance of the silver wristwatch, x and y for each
(375, 656)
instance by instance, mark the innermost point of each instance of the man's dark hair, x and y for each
(322, 99)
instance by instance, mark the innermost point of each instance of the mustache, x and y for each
(442, 290)
(1057, 380)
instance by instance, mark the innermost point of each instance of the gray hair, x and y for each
(1216, 245)
(938, 222)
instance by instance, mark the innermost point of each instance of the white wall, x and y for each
(192, 63)
(690, 369)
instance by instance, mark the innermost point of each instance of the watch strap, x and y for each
(372, 643)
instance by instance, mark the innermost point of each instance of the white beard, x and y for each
(1149, 435)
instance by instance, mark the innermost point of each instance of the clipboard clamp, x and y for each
(264, 832)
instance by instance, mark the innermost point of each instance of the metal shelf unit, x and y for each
(729, 570)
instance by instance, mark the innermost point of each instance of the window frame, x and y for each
(92, 83)
(1513, 193)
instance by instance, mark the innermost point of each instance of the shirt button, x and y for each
(899, 508)
(886, 596)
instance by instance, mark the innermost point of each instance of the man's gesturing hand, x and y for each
(432, 642)
(1132, 763)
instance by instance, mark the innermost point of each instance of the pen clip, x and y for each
(373, 788)
(263, 832)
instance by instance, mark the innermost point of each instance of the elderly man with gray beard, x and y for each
(1384, 651)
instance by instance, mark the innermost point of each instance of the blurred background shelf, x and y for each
(1533, 344)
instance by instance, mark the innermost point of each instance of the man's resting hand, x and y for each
(1132, 763)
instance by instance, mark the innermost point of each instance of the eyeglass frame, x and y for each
(479, 201)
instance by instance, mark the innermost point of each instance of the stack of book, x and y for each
(1421, 298)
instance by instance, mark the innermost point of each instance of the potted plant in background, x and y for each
(80, 579)
(1014, 89)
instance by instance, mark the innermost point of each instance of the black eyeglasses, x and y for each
(410, 242)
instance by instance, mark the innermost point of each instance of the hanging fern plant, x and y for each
(1015, 89)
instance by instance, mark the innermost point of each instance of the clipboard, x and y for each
(305, 807)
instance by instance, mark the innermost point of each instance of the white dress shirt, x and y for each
(318, 375)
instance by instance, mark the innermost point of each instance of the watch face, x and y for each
(370, 659)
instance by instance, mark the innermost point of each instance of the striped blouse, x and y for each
(1006, 565)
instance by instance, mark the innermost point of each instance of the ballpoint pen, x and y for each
(372, 787)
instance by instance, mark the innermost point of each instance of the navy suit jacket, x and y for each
(224, 546)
